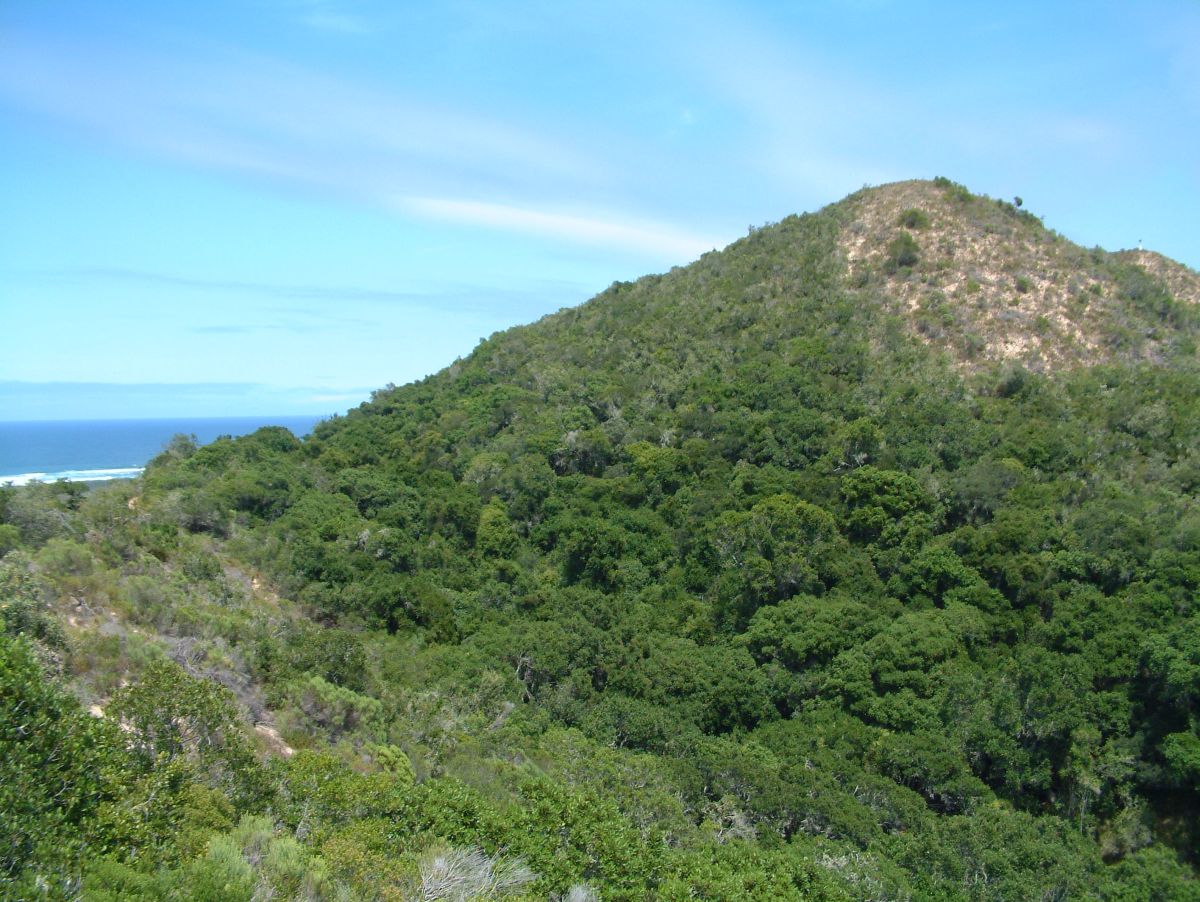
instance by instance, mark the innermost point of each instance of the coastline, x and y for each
(96, 451)
(105, 474)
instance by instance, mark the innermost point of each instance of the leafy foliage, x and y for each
(719, 586)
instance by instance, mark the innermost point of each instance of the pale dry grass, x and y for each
(990, 285)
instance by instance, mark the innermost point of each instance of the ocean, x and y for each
(99, 450)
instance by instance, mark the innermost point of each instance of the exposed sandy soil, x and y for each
(991, 283)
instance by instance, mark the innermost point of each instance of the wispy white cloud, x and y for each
(337, 397)
(413, 294)
(329, 16)
(98, 400)
(243, 286)
(1178, 35)
(236, 110)
(625, 233)
(807, 123)
(821, 128)
(259, 117)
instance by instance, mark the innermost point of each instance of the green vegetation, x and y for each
(902, 253)
(913, 218)
(720, 586)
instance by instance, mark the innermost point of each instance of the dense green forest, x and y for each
(751, 580)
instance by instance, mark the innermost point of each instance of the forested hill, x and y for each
(859, 560)
(979, 279)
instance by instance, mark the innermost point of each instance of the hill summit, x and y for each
(916, 275)
(988, 282)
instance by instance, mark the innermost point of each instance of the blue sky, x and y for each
(275, 206)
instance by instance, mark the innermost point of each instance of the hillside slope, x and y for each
(991, 283)
(987, 284)
(839, 564)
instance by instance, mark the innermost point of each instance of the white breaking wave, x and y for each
(74, 476)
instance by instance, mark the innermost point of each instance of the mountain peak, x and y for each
(919, 269)
(988, 282)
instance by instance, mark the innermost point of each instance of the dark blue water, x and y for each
(111, 449)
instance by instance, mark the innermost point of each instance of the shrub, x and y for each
(10, 538)
(57, 768)
(902, 253)
(954, 189)
(912, 218)
(335, 709)
(468, 873)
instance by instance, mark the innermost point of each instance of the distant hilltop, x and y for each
(987, 281)
(923, 268)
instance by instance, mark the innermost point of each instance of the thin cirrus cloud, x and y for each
(324, 15)
(244, 286)
(302, 325)
(613, 232)
(337, 397)
(256, 116)
(823, 127)
(234, 109)
(112, 400)
(811, 122)
(441, 295)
